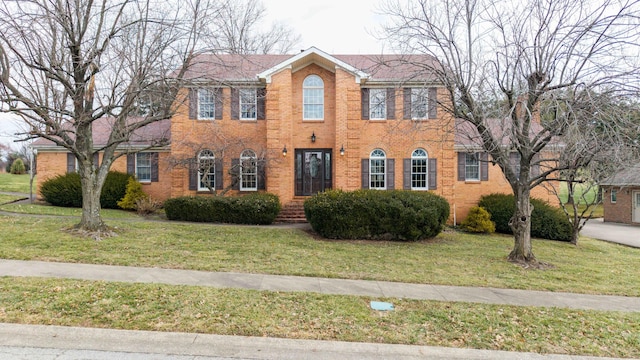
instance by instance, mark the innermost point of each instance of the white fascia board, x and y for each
(288, 64)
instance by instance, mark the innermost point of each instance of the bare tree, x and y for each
(66, 64)
(500, 61)
(236, 30)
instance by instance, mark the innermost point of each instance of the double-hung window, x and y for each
(206, 170)
(377, 170)
(206, 104)
(377, 104)
(419, 103)
(248, 171)
(143, 167)
(313, 98)
(614, 196)
(472, 167)
(419, 173)
(248, 104)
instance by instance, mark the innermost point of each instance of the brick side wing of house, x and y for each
(295, 125)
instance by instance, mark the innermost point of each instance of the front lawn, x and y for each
(16, 183)
(452, 258)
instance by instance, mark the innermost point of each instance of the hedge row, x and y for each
(66, 190)
(373, 214)
(258, 208)
(547, 222)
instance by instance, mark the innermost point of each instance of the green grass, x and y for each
(39, 209)
(8, 198)
(314, 316)
(452, 258)
(15, 183)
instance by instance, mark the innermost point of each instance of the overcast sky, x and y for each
(333, 26)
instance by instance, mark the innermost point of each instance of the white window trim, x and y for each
(426, 173)
(245, 156)
(424, 92)
(212, 171)
(150, 166)
(466, 166)
(373, 158)
(213, 112)
(254, 103)
(372, 93)
(304, 104)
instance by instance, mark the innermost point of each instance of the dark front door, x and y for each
(313, 171)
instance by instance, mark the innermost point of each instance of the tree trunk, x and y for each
(521, 225)
(91, 219)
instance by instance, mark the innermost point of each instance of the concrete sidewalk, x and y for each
(74, 343)
(380, 289)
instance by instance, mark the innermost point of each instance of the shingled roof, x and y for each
(626, 177)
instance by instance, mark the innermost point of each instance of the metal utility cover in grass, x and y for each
(381, 306)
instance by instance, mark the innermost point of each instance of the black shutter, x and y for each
(235, 104)
(261, 108)
(433, 174)
(406, 174)
(193, 103)
(131, 164)
(71, 163)
(391, 174)
(193, 174)
(154, 167)
(262, 176)
(365, 173)
(535, 168)
(461, 166)
(364, 103)
(217, 94)
(96, 160)
(406, 103)
(484, 166)
(391, 104)
(433, 103)
(218, 174)
(235, 173)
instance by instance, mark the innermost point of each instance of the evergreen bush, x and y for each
(372, 214)
(257, 208)
(132, 195)
(66, 190)
(17, 168)
(547, 222)
(114, 189)
(478, 221)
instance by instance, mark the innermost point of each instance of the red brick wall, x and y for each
(622, 210)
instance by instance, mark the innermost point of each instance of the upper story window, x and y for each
(143, 167)
(248, 171)
(419, 103)
(206, 104)
(313, 98)
(377, 170)
(377, 104)
(248, 104)
(419, 171)
(206, 170)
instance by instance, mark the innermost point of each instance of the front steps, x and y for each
(292, 213)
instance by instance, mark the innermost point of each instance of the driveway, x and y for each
(614, 232)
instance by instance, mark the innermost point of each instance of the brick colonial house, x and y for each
(621, 196)
(295, 125)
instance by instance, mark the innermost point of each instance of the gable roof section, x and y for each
(626, 177)
(312, 55)
(227, 69)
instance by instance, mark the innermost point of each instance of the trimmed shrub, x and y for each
(257, 208)
(132, 195)
(373, 214)
(114, 189)
(63, 190)
(478, 221)
(17, 168)
(66, 190)
(547, 222)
